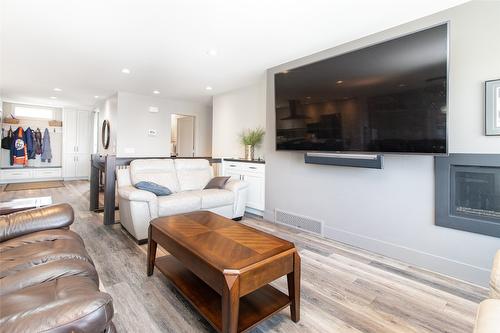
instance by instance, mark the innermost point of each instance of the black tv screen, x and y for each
(389, 97)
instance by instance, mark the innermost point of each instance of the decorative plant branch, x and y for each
(252, 137)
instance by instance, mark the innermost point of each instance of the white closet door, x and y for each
(82, 165)
(83, 132)
(69, 167)
(70, 129)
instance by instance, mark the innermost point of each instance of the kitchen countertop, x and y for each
(243, 160)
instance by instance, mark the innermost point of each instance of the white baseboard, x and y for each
(417, 258)
(453, 268)
(254, 211)
(76, 178)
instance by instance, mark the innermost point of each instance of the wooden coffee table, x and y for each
(224, 268)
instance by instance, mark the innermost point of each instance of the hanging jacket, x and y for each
(30, 147)
(46, 149)
(18, 149)
(7, 140)
(38, 141)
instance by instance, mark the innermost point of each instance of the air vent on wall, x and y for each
(298, 221)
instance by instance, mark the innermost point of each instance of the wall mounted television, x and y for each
(386, 98)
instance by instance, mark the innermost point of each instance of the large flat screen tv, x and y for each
(389, 98)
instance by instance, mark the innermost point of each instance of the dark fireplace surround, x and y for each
(468, 192)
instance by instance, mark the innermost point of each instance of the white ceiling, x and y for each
(81, 46)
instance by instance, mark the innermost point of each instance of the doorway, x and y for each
(182, 136)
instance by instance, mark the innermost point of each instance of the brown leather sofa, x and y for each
(48, 281)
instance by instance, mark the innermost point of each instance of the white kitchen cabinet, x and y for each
(76, 143)
(256, 190)
(254, 175)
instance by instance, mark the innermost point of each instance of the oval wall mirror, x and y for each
(105, 134)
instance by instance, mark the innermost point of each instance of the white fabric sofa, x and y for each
(488, 313)
(186, 178)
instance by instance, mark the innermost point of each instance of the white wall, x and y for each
(391, 211)
(234, 112)
(108, 110)
(135, 120)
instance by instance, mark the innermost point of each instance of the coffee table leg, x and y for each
(151, 253)
(293, 280)
(230, 302)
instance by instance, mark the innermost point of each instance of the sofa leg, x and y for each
(238, 218)
(141, 241)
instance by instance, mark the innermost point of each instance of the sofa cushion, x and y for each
(217, 182)
(487, 318)
(24, 222)
(40, 236)
(193, 174)
(159, 171)
(178, 203)
(153, 188)
(212, 198)
(69, 304)
(40, 248)
(48, 271)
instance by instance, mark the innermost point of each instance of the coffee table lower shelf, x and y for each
(254, 307)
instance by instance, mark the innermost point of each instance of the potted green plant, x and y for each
(251, 138)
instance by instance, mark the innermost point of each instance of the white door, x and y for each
(256, 190)
(69, 166)
(70, 130)
(185, 137)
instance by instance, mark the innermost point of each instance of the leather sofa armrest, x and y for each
(134, 194)
(487, 318)
(495, 277)
(235, 185)
(240, 190)
(28, 221)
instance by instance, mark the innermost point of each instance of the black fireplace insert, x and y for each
(468, 192)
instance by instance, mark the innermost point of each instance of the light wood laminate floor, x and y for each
(344, 289)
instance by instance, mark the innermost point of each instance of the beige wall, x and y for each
(234, 112)
(135, 120)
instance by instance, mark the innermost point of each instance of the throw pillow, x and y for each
(217, 182)
(154, 188)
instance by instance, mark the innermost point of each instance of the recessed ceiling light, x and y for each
(96, 96)
(57, 89)
(340, 82)
(308, 97)
(212, 52)
(53, 97)
(126, 71)
(156, 92)
(208, 88)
